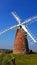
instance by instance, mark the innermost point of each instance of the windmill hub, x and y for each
(20, 26)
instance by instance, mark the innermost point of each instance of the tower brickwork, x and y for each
(21, 42)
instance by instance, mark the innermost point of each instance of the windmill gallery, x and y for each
(21, 42)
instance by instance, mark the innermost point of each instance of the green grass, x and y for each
(21, 59)
(26, 59)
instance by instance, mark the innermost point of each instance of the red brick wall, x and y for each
(21, 43)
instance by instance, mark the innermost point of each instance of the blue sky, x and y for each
(25, 9)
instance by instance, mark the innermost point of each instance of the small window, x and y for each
(21, 38)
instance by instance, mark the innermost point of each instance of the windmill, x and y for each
(21, 42)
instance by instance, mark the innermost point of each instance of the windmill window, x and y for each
(21, 38)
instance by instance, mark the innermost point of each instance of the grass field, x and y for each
(29, 59)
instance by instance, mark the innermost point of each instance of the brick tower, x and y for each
(21, 42)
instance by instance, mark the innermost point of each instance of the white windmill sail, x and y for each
(16, 17)
(21, 24)
(13, 27)
(34, 18)
(24, 28)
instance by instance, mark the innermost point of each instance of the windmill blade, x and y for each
(24, 28)
(16, 17)
(31, 36)
(30, 19)
(13, 27)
